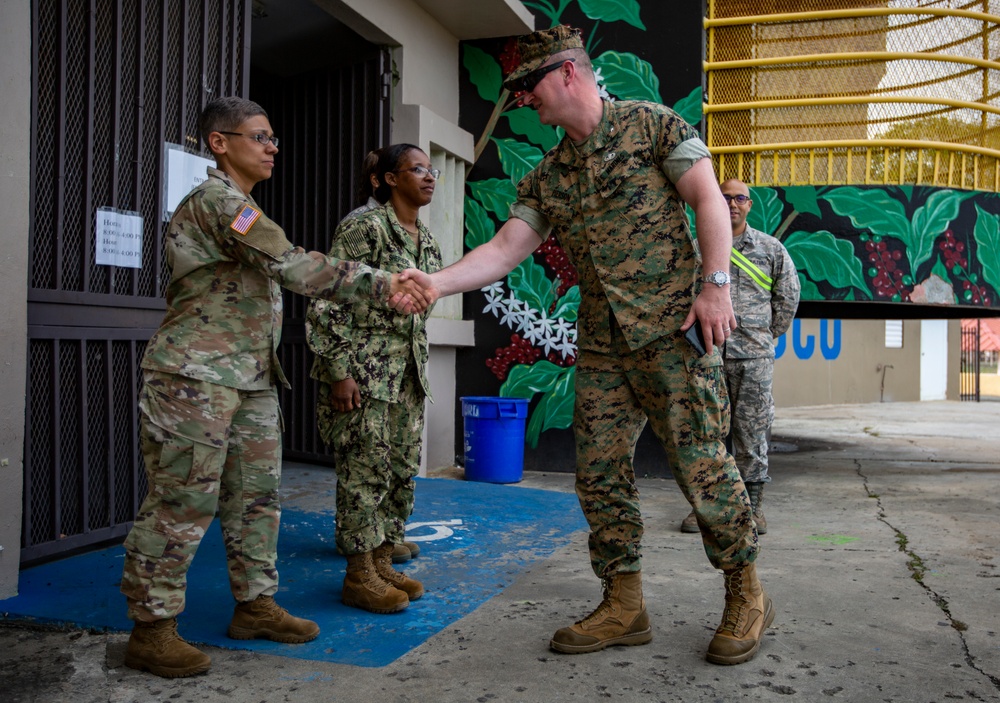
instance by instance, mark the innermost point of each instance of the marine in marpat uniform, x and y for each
(614, 192)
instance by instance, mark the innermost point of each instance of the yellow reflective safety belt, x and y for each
(751, 269)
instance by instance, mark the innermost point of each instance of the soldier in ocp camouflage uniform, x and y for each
(372, 368)
(614, 192)
(210, 422)
(765, 292)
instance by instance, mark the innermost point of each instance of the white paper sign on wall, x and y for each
(118, 236)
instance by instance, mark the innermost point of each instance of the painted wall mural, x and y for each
(877, 244)
(911, 244)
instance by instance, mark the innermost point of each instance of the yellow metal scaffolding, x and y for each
(857, 92)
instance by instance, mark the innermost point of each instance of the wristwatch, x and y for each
(719, 278)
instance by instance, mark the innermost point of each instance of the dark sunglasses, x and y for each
(530, 80)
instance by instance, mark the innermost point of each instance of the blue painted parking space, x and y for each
(475, 539)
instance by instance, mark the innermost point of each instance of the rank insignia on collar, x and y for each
(610, 156)
(245, 219)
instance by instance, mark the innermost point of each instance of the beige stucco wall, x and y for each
(864, 370)
(15, 169)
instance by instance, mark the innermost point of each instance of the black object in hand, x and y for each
(695, 338)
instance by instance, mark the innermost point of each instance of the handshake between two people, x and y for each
(412, 291)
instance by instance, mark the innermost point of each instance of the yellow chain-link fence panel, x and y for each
(827, 92)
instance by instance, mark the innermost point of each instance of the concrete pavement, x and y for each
(881, 558)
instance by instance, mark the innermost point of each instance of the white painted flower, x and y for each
(534, 334)
(494, 303)
(600, 86)
(513, 315)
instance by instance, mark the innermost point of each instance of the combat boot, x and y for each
(619, 620)
(755, 489)
(365, 589)
(748, 613)
(383, 567)
(157, 648)
(690, 524)
(404, 551)
(264, 618)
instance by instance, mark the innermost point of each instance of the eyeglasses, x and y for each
(421, 171)
(738, 198)
(258, 137)
(531, 80)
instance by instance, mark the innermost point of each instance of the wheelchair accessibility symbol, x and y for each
(430, 531)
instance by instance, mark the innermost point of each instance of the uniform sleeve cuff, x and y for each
(683, 157)
(536, 220)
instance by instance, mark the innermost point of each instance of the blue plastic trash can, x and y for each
(494, 438)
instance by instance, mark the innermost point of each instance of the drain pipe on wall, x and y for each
(881, 391)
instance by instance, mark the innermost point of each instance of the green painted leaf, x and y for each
(533, 430)
(689, 108)
(568, 305)
(524, 381)
(517, 158)
(827, 258)
(524, 121)
(559, 409)
(484, 72)
(627, 77)
(530, 284)
(810, 291)
(692, 220)
(613, 10)
(987, 234)
(496, 195)
(803, 199)
(479, 228)
(765, 214)
(873, 210)
(555, 408)
(930, 220)
(940, 270)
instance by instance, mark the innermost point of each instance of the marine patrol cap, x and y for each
(537, 47)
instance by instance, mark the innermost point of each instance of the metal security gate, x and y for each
(327, 121)
(113, 80)
(969, 384)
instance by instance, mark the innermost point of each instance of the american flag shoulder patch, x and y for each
(244, 219)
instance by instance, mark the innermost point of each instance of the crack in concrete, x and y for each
(915, 564)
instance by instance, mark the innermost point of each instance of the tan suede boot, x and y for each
(264, 618)
(383, 566)
(365, 589)
(619, 620)
(755, 489)
(748, 613)
(690, 524)
(404, 551)
(157, 648)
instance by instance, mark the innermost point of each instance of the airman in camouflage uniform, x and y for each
(614, 192)
(210, 422)
(372, 368)
(765, 292)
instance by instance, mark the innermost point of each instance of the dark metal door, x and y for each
(327, 121)
(969, 375)
(113, 80)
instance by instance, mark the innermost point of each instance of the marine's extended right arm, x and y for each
(489, 262)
